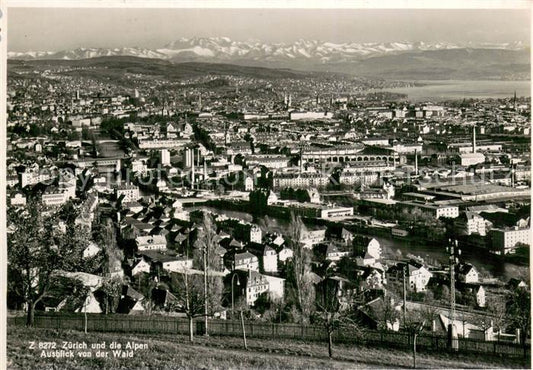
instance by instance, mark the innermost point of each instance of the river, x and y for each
(484, 261)
(110, 150)
(457, 90)
(431, 252)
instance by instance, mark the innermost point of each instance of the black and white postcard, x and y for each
(282, 186)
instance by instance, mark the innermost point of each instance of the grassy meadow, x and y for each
(217, 352)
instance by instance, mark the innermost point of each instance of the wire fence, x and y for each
(179, 325)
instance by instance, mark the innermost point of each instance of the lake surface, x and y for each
(458, 90)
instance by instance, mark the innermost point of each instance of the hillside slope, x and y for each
(175, 352)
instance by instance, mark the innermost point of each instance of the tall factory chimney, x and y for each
(416, 162)
(225, 134)
(192, 168)
(474, 139)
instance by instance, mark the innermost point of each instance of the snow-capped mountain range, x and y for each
(223, 49)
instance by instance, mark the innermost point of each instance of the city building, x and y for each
(256, 235)
(128, 191)
(270, 260)
(246, 261)
(504, 241)
(151, 242)
(165, 157)
(336, 212)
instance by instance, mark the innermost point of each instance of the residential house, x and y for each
(141, 266)
(312, 237)
(131, 301)
(418, 277)
(374, 249)
(270, 259)
(90, 305)
(347, 236)
(246, 261)
(151, 242)
(272, 198)
(256, 284)
(416, 274)
(371, 314)
(163, 299)
(256, 235)
(372, 279)
(169, 262)
(285, 254)
(469, 223)
(333, 253)
(276, 287)
(366, 260)
(130, 192)
(467, 273)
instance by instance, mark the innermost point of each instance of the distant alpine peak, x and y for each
(225, 49)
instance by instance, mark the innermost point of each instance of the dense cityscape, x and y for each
(218, 194)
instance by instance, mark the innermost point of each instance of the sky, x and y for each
(55, 29)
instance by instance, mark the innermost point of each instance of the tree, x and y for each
(146, 285)
(275, 310)
(78, 295)
(333, 312)
(467, 298)
(189, 291)
(258, 202)
(36, 249)
(263, 303)
(429, 313)
(519, 313)
(496, 308)
(206, 256)
(414, 324)
(328, 308)
(442, 293)
(386, 313)
(110, 291)
(301, 263)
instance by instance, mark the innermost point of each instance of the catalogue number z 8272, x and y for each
(43, 345)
